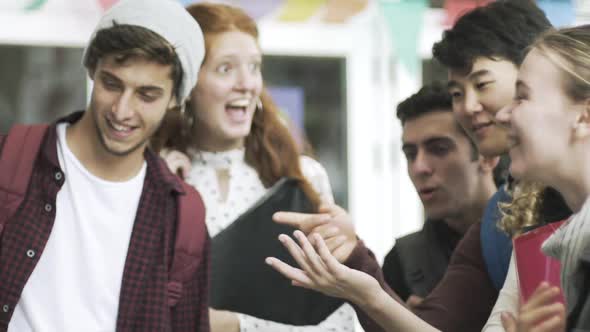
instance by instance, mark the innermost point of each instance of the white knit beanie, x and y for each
(172, 22)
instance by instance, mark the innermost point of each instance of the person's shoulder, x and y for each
(414, 241)
(316, 174)
(160, 173)
(310, 166)
(411, 236)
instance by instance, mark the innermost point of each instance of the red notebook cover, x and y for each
(532, 264)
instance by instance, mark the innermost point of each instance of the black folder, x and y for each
(240, 279)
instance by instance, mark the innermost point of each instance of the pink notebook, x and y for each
(532, 264)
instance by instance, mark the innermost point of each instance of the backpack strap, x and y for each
(17, 160)
(191, 235)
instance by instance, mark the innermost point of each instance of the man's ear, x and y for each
(487, 164)
(581, 126)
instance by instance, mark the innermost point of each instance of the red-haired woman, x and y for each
(238, 147)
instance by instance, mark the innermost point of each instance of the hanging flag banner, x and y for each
(35, 5)
(456, 8)
(339, 11)
(21, 5)
(300, 10)
(106, 4)
(404, 18)
(560, 13)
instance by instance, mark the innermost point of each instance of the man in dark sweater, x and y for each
(453, 182)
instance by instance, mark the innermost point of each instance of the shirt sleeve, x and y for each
(316, 174)
(340, 320)
(363, 259)
(507, 300)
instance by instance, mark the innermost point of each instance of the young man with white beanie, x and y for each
(91, 245)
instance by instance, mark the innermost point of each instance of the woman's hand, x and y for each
(541, 313)
(332, 223)
(178, 162)
(321, 271)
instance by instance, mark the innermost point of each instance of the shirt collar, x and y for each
(156, 171)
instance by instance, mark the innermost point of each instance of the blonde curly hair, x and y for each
(524, 209)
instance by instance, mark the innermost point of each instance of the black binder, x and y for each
(240, 279)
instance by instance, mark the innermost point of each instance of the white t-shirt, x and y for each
(508, 299)
(245, 188)
(76, 283)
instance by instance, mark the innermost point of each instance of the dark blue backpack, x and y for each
(496, 246)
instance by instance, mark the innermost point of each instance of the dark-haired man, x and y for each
(453, 183)
(91, 245)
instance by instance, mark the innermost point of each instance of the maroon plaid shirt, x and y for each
(143, 298)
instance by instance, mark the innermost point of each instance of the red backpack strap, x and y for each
(191, 234)
(17, 160)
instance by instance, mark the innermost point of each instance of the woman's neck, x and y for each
(574, 193)
(574, 184)
(205, 140)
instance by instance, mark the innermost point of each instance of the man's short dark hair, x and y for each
(430, 98)
(503, 29)
(130, 41)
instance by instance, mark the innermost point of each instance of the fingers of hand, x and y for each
(555, 323)
(332, 265)
(327, 230)
(178, 161)
(314, 260)
(303, 221)
(333, 243)
(508, 322)
(343, 252)
(540, 314)
(177, 157)
(295, 274)
(296, 252)
(543, 295)
(332, 209)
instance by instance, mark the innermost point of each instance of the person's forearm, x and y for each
(362, 259)
(392, 315)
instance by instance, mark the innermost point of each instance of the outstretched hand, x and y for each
(332, 223)
(320, 270)
(541, 313)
